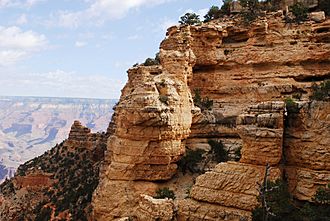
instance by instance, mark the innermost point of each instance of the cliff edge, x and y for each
(249, 72)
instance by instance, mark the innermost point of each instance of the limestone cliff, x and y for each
(247, 71)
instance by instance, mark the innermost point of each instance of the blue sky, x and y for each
(81, 48)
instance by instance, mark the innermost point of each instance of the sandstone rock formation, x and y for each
(247, 72)
(260, 79)
(153, 116)
(307, 149)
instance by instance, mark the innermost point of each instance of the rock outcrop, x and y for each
(307, 150)
(247, 72)
(153, 116)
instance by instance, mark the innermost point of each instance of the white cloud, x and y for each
(80, 44)
(9, 57)
(99, 11)
(16, 44)
(22, 19)
(60, 83)
(200, 12)
(19, 3)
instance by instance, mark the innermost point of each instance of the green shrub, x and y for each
(190, 19)
(213, 13)
(321, 92)
(281, 206)
(164, 193)
(44, 214)
(164, 99)
(322, 195)
(249, 16)
(324, 5)
(219, 153)
(291, 106)
(191, 160)
(202, 103)
(225, 8)
(251, 10)
(299, 10)
(271, 5)
(297, 95)
(152, 61)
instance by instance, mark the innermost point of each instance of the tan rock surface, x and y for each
(247, 72)
(307, 137)
(303, 182)
(153, 116)
(155, 209)
(232, 184)
(307, 149)
(195, 211)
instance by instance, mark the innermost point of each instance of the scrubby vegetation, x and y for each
(321, 92)
(251, 10)
(195, 161)
(215, 12)
(152, 61)
(190, 19)
(164, 99)
(164, 193)
(75, 174)
(202, 103)
(191, 160)
(278, 205)
(300, 12)
(291, 105)
(219, 153)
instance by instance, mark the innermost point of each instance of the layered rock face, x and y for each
(247, 72)
(307, 149)
(153, 116)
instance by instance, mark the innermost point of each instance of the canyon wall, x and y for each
(248, 72)
(259, 78)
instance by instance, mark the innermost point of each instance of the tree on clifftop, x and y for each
(251, 9)
(189, 19)
(215, 12)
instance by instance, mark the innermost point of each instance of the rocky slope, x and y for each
(59, 184)
(260, 78)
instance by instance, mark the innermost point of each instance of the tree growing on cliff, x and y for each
(202, 103)
(165, 193)
(321, 92)
(190, 19)
(251, 10)
(215, 12)
(300, 12)
(277, 204)
(152, 61)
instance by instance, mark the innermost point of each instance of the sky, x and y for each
(81, 48)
